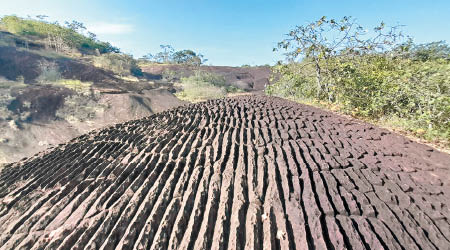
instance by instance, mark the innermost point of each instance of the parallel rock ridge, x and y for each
(246, 172)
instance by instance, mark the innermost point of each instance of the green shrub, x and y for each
(82, 88)
(49, 72)
(424, 52)
(79, 108)
(200, 92)
(370, 75)
(293, 80)
(203, 86)
(205, 77)
(120, 64)
(414, 93)
(169, 75)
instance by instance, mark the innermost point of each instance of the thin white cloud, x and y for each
(103, 28)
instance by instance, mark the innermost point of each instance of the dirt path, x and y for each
(246, 172)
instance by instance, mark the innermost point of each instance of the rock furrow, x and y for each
(248, 172)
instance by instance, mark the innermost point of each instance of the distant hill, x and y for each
(247, 78)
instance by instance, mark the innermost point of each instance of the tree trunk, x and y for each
(319, 80)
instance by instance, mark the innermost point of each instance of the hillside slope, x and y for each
(37, 111)
(35, 115)
(248, 172)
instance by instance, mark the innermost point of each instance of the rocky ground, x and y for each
(246, 172)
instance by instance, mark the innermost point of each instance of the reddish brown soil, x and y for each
(247, 172)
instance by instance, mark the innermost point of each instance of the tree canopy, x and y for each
(169, 55)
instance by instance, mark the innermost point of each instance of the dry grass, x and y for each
(201, 92)
(83, 88)
(7, 84)
(203, 86)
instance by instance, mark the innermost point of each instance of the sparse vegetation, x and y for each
(79, 108)
(49, 72)
(120, 64)
(203, 86)
(5, 100)
(378, 78)
(130, 78)
(63, 41)
(55, 36)
(81, 88)
(7, 84)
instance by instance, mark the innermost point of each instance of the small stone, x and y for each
(7, 200)
(264, 217)
(280, 235)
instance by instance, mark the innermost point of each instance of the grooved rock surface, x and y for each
(247, 172)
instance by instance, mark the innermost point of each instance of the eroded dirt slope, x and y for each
(15, 63)
(253, 172)
(35, 116)
(45, 131)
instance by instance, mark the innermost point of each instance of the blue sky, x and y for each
(232, 32)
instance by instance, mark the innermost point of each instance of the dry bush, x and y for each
(120, 64)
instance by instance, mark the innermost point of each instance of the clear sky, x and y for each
(229, 32)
